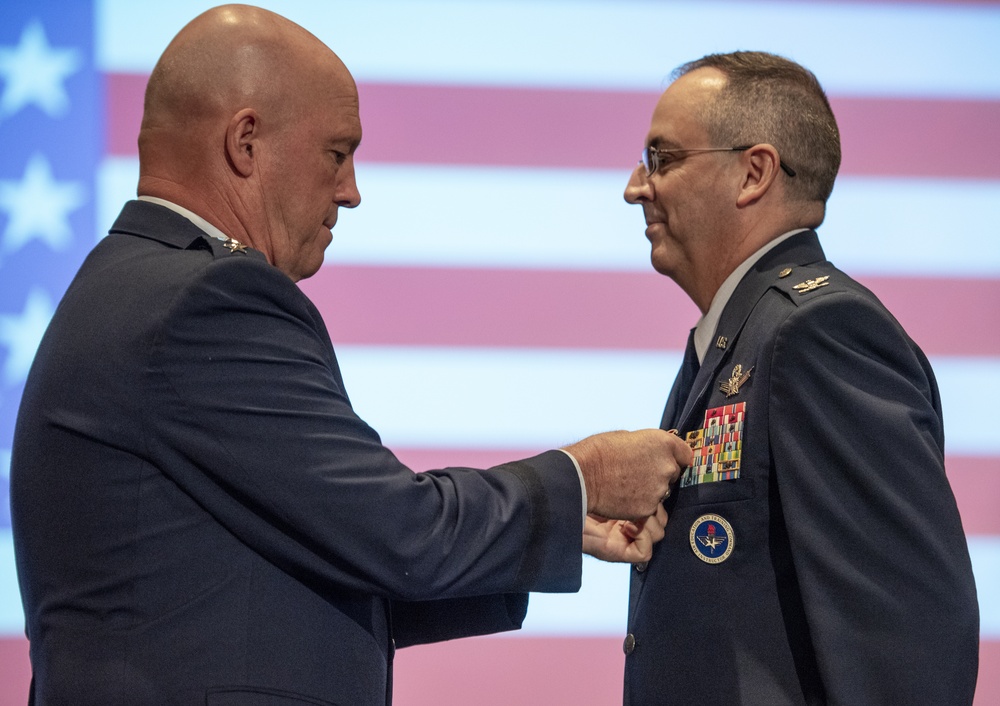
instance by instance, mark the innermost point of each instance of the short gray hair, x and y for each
(771, 99)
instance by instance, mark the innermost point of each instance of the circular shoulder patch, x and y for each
(712, 539)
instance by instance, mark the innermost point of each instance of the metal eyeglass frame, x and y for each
(651, 156)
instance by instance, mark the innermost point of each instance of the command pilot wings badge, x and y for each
(732, 385)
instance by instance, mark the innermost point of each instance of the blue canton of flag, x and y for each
(51, 105)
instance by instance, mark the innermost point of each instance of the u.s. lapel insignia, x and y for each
(732, 385)
(712, 539)
(811, 284)
(722, 342)
(235, 246)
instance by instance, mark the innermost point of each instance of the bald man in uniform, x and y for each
(199, 515)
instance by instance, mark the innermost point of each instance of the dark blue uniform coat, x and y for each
(200, 517)
(849, 580)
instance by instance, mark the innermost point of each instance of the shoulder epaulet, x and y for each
(230, 247)
(807, 281)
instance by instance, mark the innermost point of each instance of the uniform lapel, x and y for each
(798, 250)
(683, 384)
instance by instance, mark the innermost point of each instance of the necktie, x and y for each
(682, 385)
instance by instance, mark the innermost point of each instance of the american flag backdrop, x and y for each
(492, 296)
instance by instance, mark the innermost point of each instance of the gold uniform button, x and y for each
(640, 567)
(629, 646)
(785, 272)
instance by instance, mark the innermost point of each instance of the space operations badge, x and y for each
(712, 539)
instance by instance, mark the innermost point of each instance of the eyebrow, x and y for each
(662, 143)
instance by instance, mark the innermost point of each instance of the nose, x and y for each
(638, 188)
(347, 194)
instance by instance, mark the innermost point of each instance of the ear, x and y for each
(761, 164)
(241, 136)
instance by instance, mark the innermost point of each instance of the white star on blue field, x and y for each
(52, 134)
(38, 207)
(21, 333)
(34, 72)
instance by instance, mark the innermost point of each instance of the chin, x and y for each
(310, 269)
(663, 269)
(662, 262)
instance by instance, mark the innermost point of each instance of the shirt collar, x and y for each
(705, 330)
(191, 216)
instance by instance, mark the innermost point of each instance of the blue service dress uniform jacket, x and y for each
(200, 517)
(847, 578)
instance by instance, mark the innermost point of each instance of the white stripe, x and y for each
(943, 227)
(11, 614)
(895, 49)
(962, 382)
(985, 551)
(523, 398)
(577, 219)
(496, 398)
(598, 609)
(601, 606)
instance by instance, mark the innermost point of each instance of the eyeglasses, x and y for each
(652, 159)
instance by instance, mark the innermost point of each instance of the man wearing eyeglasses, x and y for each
(814, 552)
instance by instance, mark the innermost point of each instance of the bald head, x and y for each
(228, 58)
(240, 105)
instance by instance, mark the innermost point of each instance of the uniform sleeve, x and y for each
(417, 623)
(250, 418)
(878, 546)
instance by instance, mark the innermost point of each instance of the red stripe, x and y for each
(124, 94)
(974, 480)
(919, 138)
(520, 670)
(428, 459)
(598, 310)
(15, 670)
(972, 3)
(496, 672)
(605, 129)
(520, 308)
(944, 316)
(988, 686)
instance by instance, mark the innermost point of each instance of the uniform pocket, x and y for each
(723, 491)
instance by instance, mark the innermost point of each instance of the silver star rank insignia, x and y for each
(235, 246)
(811, 284)
(732, 385)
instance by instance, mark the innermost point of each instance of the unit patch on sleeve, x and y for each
(717, 446)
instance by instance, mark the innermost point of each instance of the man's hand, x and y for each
(627, 474)
(621, 540)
